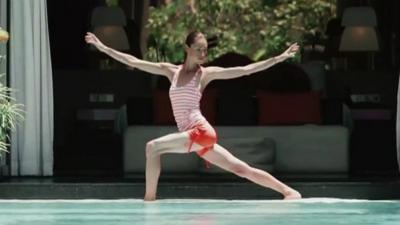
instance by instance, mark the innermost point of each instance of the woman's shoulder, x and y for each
(170, 68)
(208, 71)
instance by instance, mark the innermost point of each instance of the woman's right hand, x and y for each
(90, 38)
(290, 52)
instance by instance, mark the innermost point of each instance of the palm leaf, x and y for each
(11, 113)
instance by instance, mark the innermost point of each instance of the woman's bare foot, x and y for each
(149, 198)
(291, 195)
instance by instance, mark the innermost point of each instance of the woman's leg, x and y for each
(196, 139)
(224, 159)
(171, 143)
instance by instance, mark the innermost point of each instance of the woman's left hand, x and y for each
(291, 51)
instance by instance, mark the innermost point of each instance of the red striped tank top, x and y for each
(185, 101)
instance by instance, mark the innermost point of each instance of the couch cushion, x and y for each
(258, 152)
(311, 149)
(179, 163)
(289, 108)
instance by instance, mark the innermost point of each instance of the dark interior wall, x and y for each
(395, 11)
(68, 23)
(389, 32)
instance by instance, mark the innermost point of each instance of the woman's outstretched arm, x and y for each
(165, 69)
(214, 73)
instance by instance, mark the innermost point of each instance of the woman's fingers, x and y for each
(291, 51)
(294, 48)
(90, 38)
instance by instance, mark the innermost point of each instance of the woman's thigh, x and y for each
(222, 158)
(196, 139)
(176, 142)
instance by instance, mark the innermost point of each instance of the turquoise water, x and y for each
(310, 211)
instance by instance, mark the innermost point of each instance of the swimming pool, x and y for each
(199, 212)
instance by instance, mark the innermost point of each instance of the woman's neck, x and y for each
(188, 66)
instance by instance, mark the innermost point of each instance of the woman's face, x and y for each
(197, 52)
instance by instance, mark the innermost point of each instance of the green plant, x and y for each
(10, 111)
(256, 28)
(10, 114)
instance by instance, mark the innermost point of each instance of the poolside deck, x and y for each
(214, 187)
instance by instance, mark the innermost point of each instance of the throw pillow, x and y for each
(289, 108)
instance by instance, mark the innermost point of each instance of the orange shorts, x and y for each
(202, 134)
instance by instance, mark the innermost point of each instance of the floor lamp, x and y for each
(359, 34)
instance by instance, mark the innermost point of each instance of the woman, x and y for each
(195, 133)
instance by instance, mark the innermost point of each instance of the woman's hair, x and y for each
(191, 37)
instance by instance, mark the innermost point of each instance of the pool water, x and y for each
(310, 211)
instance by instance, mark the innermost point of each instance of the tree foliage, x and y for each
(256, 28)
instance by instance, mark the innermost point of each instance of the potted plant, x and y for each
(10, 111)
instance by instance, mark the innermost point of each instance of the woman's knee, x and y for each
(151, 149)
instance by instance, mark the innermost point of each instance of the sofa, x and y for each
(304, 149)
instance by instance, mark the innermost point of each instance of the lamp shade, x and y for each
(359, 39)
(359, 16)
(108, 15)
(108, 25)
(112, 36)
